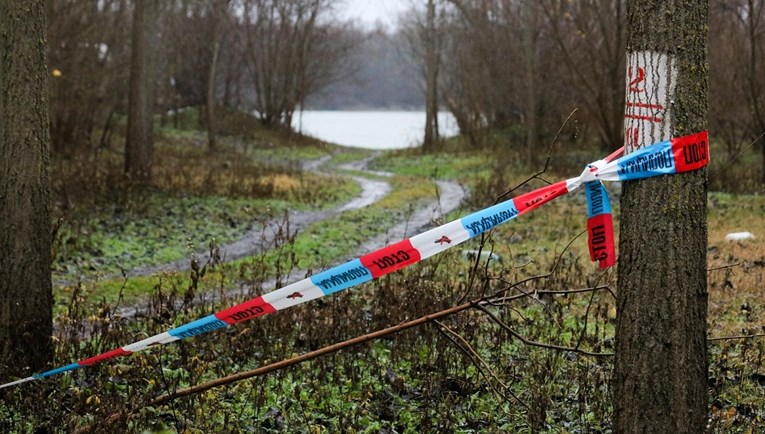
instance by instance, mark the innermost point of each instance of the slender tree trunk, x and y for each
(529, 48)
(753, 17)
(660, 372)
(138, 140)
(219, 14)
(25, 282)
(431, 78)
(211, 142)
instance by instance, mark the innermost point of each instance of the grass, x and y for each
(166, 228)
(198, 199)
(467, 374)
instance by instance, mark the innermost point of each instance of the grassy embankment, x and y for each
(467, 373)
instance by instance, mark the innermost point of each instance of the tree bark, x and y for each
(530, 14)
(660, 372)
(211, 141)
(25, 283)
(219, 12)
(430, 40)
(138, 147)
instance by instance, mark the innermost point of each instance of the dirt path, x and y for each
(447, 197)
(259, 238)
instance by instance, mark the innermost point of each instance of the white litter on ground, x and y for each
(738, 236)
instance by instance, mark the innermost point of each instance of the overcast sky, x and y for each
(369, 12)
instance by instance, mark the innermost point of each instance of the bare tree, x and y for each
(482, 85)
(463, 96)
(530, 15)
(88, 54)
(219, 14)
(737, 53)
(495, 57)
(727, 89)
(25, 283)
(432, 61)
(423, 35)
(660, 372)
(292, 50)
(192, 34)
(590, 39)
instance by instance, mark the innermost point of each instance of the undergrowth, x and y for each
(469, 372)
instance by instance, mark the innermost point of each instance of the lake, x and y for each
(371, 129)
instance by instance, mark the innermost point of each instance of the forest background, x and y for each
(216, 156)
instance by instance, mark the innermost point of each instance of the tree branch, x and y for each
(520, 337)
(480, 364)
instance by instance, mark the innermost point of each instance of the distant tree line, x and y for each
(144, 57)
(522, 66)
(509, 65)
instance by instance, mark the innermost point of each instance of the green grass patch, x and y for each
(466, 374)
(159, 229)
(442, 165)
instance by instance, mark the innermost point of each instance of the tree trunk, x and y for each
(753, 16)
(211, 142)
(219, 11)
(529, 50)
(431, 78)
(25, 282)
(660, 372)
(138, 140)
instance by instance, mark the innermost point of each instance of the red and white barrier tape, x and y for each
(678, 155)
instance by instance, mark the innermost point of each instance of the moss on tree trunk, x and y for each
(660, 374)
(25, 285)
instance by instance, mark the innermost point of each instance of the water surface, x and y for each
(371, 129)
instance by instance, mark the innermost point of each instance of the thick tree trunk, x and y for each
(660, 372)
(138, 141)
(25, 283)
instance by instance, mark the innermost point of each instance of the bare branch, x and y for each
(520, 337)
(730, 338)
(479, 363)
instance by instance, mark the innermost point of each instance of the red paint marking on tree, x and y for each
(639, 79)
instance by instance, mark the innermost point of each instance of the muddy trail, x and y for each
(262, 237)
(447, 196)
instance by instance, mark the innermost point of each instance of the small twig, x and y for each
(587, 312)
(517, 285)
(724, 267)
(543, 276)
(480, 364)
(585, 321)
(167, 387)
(547, 161)
(438, 193)
(497, 301)
(735, 157)
(499, 198)
(730, 338)
(520, 337)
